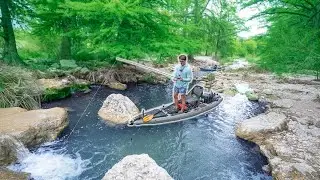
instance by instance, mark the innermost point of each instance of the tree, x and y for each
(293, 39)
(10, 53)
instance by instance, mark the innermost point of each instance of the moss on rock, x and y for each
(51, 94)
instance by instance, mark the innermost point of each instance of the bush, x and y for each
(18, 88)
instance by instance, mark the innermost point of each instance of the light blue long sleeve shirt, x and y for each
(185, 73)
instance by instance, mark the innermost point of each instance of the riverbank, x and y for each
(288, 134)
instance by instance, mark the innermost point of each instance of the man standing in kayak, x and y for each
(182, 76)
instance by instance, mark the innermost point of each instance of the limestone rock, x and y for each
(36, 126)
(117, 85)
(117, 109)
(9, 111)
(52, 83)
(10, 149)
(7, 174)
(282, 103)
(258, 127)
(135, 167)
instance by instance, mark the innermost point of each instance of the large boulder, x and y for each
(117, 109)
(10, 150)
(36, 126)
(134, 167)
(258, 127)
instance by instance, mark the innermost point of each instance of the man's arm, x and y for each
(174, 74)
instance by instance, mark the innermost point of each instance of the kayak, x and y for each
(198, 102)
(209, 68)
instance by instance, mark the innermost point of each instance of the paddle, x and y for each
(149, 117)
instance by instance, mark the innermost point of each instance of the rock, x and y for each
(258, 127)
(7, 174)
(282, 103)
(10, 150)
(36, 126)
(317, 124)
(117, 85)
(252, 96)
(266, 168)
(267, 91)
(9, 111)
(68, 64)
(52, 83)
(135, 167)
(117, 109)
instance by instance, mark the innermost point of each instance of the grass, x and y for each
(18, 88)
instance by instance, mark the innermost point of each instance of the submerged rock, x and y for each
(135, 167)
(36, 126)
(117, 109)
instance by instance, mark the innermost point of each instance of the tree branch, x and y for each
(310, 3)
(297, 5)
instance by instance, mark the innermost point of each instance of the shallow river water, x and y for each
(202, 148)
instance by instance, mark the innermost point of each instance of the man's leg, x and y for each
(175, 96)
(183, 102)
(183, 92)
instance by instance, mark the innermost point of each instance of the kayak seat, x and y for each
(193, 98)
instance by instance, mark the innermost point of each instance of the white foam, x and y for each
(243, 88)
(49, 164)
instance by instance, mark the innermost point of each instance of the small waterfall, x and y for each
(48, 163)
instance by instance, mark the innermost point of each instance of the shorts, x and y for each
(180, 90)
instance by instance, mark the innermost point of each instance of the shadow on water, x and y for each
(201, 148)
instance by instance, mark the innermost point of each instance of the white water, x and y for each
(47, 163)
(243, 88)
(238, 63)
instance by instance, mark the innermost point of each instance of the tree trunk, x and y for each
(217, 46)
(65, 48)
(10, 53)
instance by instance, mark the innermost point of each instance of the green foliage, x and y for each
(18, 88)
(292, 43)
(52, 94)
(103, 29)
